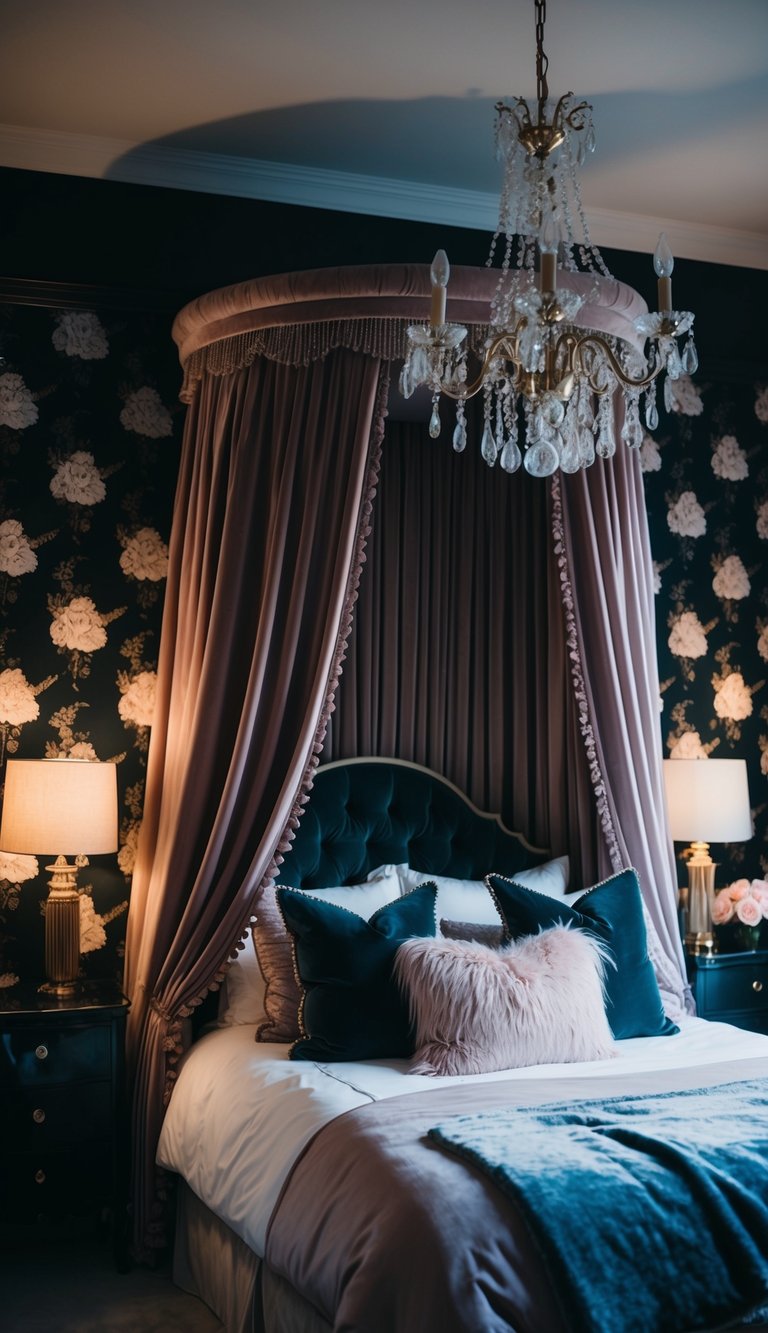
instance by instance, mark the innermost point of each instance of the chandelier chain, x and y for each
(542, 61)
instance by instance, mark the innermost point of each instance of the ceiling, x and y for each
(387, 108)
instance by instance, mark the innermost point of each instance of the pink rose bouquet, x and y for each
(743, 902)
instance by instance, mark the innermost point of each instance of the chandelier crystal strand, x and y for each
(547, 384)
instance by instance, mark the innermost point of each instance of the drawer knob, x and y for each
(40, 1177)
(757, 985)
(38, 1115)
(41, 1052)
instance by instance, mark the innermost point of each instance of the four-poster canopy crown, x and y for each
(535, 364)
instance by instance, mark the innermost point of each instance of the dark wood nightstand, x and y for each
(732, 988)
(63, 1123)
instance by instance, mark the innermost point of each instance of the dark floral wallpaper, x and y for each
(706, 479)
(89, 442)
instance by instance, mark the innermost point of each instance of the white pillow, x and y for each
(457, 899)
(550, 878)
(242, 991)
(469, 899)
(241, 998)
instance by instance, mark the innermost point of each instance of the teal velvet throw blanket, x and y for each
(650, 1213)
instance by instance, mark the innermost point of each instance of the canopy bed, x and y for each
(287, 384)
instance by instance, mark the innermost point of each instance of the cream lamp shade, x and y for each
(60, 807)
(708, 800)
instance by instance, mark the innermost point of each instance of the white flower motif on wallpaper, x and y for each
(687, 636)
(688, 746)
(92, 932)
(80, 333)
(731, 583)
(18, 704)
(137, 702)
(733, 697)
(681, 395)
(16, 554)
(656, 576)
(729, 460)
(79, 630)
(762, 639)
(145, 555)
(686, 517)
(126, 857)
(77, 480)
(762, 520)
(650, 458)
(16, 868)
(17, 406)
(146, 414)
(761, 405)
(83, 750)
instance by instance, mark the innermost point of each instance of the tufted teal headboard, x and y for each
(363, 813)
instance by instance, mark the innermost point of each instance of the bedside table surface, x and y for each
(732, 987)
(27, 1000)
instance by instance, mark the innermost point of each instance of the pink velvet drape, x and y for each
(457, 657)
(272, 509)
(604, 556)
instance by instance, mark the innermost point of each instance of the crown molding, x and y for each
(278, 182)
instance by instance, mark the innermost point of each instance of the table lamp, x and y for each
(60, 807)
(707, 801)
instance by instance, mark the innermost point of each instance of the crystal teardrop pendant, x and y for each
(541, 459)
(651, 411)
(511, 458)
(690, 358)
(570, 456)
(488, 447)
(406, 380)
(460, 436)
(586, 447)
(434, 422)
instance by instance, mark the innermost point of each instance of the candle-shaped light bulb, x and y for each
(440, 272)
(663, 263)
(549, 240)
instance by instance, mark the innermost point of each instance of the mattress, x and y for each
(242, 1112)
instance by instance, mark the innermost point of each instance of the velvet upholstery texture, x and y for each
(613, 912)
(352, 1008)
(379, 812)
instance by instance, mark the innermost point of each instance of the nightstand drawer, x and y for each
(743, 987)
(59, 1054)
(38, 1184)
(39, 1117)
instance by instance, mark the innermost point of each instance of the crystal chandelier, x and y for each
(547, 385)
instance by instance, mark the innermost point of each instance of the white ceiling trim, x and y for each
(276, 182)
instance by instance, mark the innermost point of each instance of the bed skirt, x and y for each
(211, 1262)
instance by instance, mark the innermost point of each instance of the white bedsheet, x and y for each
(241, 1111)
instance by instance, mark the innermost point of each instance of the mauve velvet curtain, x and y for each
(272, 508)
(601, 533)
(457, 655)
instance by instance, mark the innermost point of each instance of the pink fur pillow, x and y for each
(537, 1001)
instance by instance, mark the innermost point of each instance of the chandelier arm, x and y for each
(504, 344)
(576, 361)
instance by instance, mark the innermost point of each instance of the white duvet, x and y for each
(241, 1111)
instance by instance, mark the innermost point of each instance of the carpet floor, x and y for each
(70, 1285)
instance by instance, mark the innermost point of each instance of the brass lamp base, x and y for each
(699, 937)
(62, 930)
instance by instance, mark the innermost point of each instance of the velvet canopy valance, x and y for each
(287, 380)
(298, 317)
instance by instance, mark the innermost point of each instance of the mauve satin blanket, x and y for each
(383, 1233)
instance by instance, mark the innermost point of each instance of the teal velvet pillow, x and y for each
(352, 1008)
(613, 911)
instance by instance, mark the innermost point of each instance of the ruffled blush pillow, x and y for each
(536, 1001)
